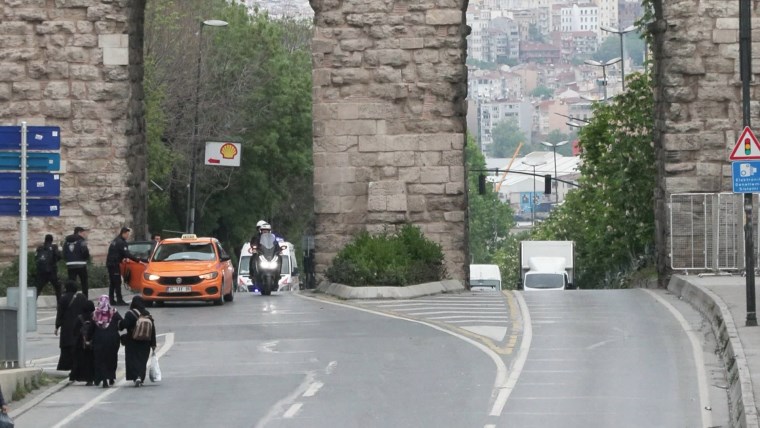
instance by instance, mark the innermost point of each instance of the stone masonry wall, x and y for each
(389, 122)
(67, 63)
(698, 101)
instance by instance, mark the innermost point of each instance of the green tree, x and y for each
(611, 216)
(507, 135)
(255, 89)
(490, 219)
(542, 92)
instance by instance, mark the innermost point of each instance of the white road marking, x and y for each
(39, 320)
(519, 361)
(331, 367)
(292, 410)
(268, 347)
(459, 311)
(313, 389)
(699, 362)
(501, 380)
(168, 343)
(472, 317)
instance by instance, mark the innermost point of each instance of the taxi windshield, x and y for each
(185, 251)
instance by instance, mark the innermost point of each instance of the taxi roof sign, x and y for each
(189, 236)
(747, 147)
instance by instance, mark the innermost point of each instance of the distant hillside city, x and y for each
(535, 68)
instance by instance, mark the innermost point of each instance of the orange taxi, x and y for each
(188, 268)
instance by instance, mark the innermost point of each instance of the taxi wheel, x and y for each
(220, 300)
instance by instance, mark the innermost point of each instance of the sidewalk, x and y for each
(10, 378)
(723, 301)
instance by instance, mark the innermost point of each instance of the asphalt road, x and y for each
(286, 361)
(622, 358)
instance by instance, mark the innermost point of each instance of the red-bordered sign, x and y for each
(747, 147)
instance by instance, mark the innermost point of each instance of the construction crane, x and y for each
(503, 176)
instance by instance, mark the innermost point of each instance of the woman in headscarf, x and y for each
(69, 307)
(84, 358)
(137, 352)
(105, 341)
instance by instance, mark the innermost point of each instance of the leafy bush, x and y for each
(387, 259)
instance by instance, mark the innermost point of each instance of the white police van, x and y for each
(289, 280)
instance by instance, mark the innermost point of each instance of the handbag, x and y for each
(6, 421)
(155, 371)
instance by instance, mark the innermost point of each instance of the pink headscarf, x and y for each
(103, 313)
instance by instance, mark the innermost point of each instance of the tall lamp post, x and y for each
(622, 55)
(554, 149)
(534, 163)
(193, 167)
(604, 66)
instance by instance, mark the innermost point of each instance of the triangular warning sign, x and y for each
(747, 147)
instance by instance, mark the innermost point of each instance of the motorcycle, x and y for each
(268, 264)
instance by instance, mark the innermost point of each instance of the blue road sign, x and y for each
(38, 161)
(37, 138)
(38, 184)
(746, 176)
(34, 207)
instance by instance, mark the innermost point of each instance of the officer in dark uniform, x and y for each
(118, 251)
(47, 257)
(76, 254)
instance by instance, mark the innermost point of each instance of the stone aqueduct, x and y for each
(389, 111)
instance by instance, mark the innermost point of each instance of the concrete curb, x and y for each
(347, 293)
(39, 398)
(741, 395)
(9, 378)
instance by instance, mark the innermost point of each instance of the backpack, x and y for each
(44, 258)
(143, 327)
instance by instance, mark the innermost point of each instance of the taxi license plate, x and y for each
(178, 289)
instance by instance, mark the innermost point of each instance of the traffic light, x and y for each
(547, 184)
(482, 184)
(747, 147)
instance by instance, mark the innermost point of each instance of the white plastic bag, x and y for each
(155, 371)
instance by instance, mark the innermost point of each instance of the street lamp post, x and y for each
(193, 168)
(554, 149)
(621, 33)
(534, 164)
(604, 66)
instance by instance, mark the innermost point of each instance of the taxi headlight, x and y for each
(210, 275)
(151, 276)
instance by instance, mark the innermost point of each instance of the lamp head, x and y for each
(215, 23)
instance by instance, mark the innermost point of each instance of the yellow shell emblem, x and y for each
(228, 151)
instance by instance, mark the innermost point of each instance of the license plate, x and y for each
(178, 289)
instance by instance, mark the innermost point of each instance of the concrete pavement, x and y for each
(722, 300)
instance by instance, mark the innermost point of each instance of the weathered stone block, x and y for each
(27, 91)
(434, 174)
(444, 17)
(391, 57)
(10, 72)
(412, 43)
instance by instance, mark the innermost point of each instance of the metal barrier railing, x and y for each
(706, 231)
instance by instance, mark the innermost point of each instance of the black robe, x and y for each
(69, 307)
(136, 353)
(84, 357)
(105, 348)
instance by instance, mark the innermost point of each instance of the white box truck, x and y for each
(547, 265)
(482, 276)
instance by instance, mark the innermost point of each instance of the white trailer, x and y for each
(547, 265)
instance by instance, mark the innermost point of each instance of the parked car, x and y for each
(186, 269)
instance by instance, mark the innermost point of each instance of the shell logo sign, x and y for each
(222, 154)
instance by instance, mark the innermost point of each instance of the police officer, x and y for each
(47, 257)
(118, 251)
(76, 254)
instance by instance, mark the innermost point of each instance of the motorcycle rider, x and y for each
(262, 227)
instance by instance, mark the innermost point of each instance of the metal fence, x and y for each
(707, 231)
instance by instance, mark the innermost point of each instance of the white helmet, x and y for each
(266, 226)
(260, 223)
